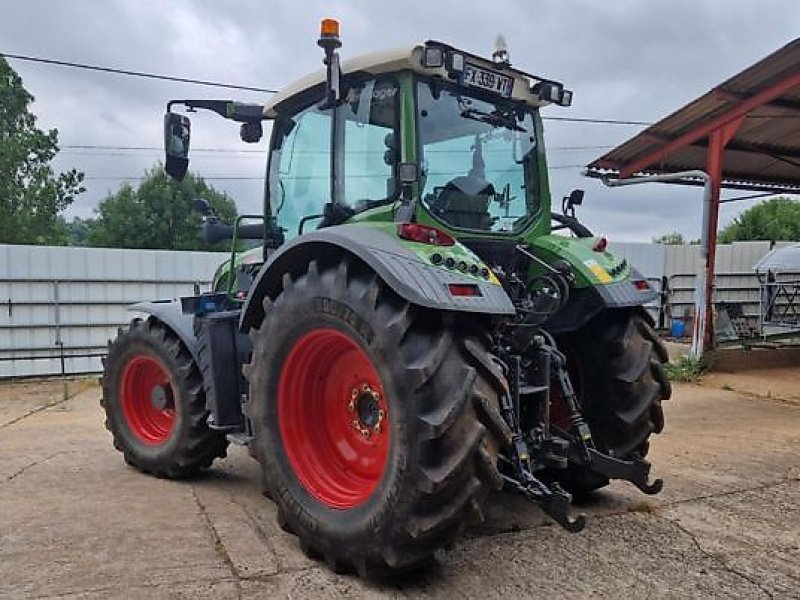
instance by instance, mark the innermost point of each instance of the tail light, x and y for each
(464, 289)
(600, 245)
(641, 285)
(424, 234)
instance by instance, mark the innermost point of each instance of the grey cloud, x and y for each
(624, 59)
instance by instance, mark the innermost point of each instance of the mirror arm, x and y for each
(235, 111)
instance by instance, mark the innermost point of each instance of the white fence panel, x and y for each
(647, 258)
(78, 297)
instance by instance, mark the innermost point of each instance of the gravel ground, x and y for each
(75, 521)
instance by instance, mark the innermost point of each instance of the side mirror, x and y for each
(575, 198)
(177, 131)
(569, 203)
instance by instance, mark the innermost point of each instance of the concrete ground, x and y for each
(75, 521)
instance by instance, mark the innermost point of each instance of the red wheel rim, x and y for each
(333, 418)
(148, 399)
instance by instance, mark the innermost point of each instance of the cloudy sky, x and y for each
(625, 59)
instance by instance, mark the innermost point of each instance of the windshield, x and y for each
(479, 167)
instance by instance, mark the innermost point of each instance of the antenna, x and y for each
(500, 54)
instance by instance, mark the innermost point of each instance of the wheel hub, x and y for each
(161, 397)
(365, 403)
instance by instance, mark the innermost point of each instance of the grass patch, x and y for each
(685, 369)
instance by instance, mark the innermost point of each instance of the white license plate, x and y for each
(487, 80)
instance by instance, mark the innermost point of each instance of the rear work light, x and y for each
(414, 232)
(464, 289)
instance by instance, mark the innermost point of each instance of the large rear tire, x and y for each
(615, 364)
(155, 404)
(376, 423)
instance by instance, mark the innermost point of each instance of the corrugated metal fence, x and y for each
(70, 301)
(674, 268)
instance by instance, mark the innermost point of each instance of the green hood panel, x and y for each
(591, 268)
(252, 256)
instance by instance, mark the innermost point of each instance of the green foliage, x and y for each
(773, 219)
(673, 238)
(77, 231)
(686, 369)
(31, 194)
(158, 214)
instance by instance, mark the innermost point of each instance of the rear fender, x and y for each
(401, 269)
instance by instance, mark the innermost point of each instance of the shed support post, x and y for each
(718, 139)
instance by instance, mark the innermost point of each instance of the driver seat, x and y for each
(464, 204)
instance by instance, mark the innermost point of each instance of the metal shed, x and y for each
(743, 133)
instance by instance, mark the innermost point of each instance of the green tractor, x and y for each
(409, 334)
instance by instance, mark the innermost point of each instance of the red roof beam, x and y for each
(740, 110)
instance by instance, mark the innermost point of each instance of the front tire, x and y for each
(155, 404)
(376, 424)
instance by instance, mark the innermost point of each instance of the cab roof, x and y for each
(409, 58)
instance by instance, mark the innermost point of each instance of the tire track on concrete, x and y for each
(219, 547)
(718, 559)
(44, 407)
(764, 486)
(30, 465)
(34, 411)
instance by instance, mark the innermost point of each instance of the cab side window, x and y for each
(300, 168)
(370, 142)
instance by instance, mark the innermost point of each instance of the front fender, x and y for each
(169, 312)
(394, 261)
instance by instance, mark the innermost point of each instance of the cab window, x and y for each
(370, 143)
(300, 177)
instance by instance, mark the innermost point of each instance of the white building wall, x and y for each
(81, 295)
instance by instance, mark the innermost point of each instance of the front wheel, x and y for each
(155, 404)
(376, 424)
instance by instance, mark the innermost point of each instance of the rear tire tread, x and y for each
(454, 467)
(621, 356)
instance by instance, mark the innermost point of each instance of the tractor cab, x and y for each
(427, 134)
(451, 136)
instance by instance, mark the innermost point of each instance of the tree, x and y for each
(77, 230)
(673, 238)
(31, 194)
(158, 214)
(773, 219)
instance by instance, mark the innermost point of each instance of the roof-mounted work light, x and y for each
(433, 58)
(551, 91)
(455, 62)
